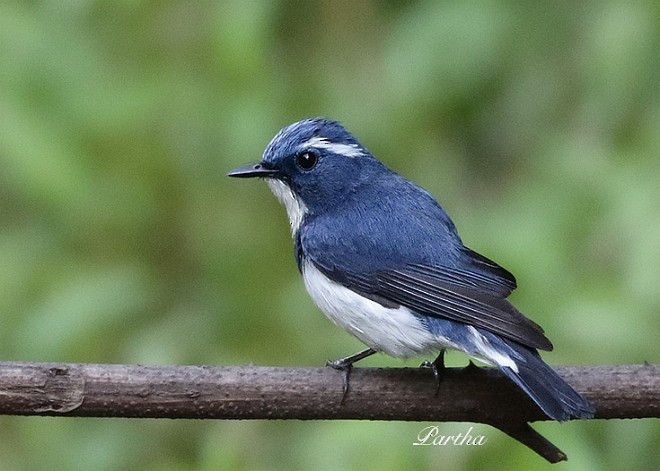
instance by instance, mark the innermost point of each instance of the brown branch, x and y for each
(251, 392)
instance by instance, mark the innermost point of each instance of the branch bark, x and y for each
(481, 395)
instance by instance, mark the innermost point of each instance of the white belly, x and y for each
(395, 331)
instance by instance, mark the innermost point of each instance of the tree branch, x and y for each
(481, 395)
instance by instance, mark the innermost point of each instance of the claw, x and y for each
(437, 365)
(345, 365)
(345, 369)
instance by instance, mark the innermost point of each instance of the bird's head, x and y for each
(312, 166)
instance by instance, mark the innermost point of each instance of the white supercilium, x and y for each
(348, 150)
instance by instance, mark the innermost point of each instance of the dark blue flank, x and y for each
(383, 237)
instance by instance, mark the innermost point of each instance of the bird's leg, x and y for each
(346, 364)
(437, 365)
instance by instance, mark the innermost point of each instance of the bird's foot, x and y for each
(345, 369)
(437, 365)
(345, 365)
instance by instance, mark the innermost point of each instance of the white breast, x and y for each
(396, 332)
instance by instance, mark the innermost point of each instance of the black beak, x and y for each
(252, 171)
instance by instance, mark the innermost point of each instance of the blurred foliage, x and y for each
(536, 124)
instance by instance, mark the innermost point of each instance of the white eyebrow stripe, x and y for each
(348, 150)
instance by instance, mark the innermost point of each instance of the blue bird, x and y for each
(382, 259)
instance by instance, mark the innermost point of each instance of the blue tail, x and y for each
(540, 382)
(549, 391)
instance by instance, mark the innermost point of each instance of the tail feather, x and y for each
(550, 392)
(547, 389)
(523, 365)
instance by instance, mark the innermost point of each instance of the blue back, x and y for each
(385, 222)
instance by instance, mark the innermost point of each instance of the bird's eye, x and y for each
(307, 160)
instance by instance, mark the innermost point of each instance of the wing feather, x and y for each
(452, 298)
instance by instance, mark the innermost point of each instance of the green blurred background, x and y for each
(537, 126)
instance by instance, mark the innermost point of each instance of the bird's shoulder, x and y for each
(393, 225)
(383, 224)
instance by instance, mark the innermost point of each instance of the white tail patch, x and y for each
(489, 354)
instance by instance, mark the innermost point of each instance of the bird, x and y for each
(382, 259)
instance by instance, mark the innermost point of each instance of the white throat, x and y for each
(295, 208)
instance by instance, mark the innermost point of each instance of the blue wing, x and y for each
(417, 260)
(441, 292)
